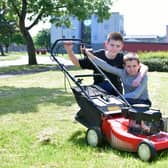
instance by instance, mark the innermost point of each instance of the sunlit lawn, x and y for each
(36, 106)
(12, 56)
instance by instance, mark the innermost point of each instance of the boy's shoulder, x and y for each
(99, 52)
(120, 56)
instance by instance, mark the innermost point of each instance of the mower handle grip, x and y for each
(68, 39)
(87, 75)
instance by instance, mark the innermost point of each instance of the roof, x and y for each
(140, 37)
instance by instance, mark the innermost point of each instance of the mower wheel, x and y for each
(146, 151)
(94, 136)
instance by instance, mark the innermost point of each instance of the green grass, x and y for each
(12, 56)
(36, 106)
(25, 68)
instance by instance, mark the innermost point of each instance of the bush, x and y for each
(156, 61)
(156, 64)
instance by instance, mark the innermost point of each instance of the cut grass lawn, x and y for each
(22, 69)
(35, 108)
(12, 56)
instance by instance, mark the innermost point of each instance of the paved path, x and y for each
(40, 60)
(24, 61)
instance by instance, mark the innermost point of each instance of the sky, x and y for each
(141, 17)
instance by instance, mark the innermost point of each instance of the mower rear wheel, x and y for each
(94, 136)
(146, 151)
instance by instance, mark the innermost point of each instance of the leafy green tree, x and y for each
(12, 38)
(17, 38)
(7, 27)
(42, 39)
(60, 10)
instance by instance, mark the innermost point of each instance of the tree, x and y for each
(60, 10)
(7, 27)
(17, 38)
(14, 38)
(42, 39)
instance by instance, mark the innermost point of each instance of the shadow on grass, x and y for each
(78, 138)
(25, 100)
(163, 154)
(30, 69)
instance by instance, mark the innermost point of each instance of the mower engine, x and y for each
(143, 120)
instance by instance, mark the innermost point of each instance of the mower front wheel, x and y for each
(146, 151)
(94, 136)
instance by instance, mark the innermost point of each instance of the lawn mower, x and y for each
(111, 117)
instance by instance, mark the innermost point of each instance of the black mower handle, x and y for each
(63, 40)
(87, 75)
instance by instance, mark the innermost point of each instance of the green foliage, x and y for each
(7, 28)
(59, 10)
(151, 55)
(156, 61)
(17, 38)
(157, 64)
(42, 39)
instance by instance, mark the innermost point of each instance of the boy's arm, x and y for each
(139, 90)
(104, 65)
(142, 72)
(68, 47)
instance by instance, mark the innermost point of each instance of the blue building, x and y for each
(99, 31)
(63, 32)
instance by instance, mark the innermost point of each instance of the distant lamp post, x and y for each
(62, 31)
(87, 22)
(86, 31)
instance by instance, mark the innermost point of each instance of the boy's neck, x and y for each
(109, 56)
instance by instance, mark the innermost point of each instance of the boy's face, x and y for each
(132, 67)
(114, 47)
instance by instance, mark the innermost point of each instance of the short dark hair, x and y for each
(115, 36)
(131, 56)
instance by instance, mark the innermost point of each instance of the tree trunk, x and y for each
(1, 50)
(29, 44)
(6, 48)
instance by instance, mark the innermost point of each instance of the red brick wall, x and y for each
(142, 46)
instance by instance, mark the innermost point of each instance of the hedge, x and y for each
(156, 64)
